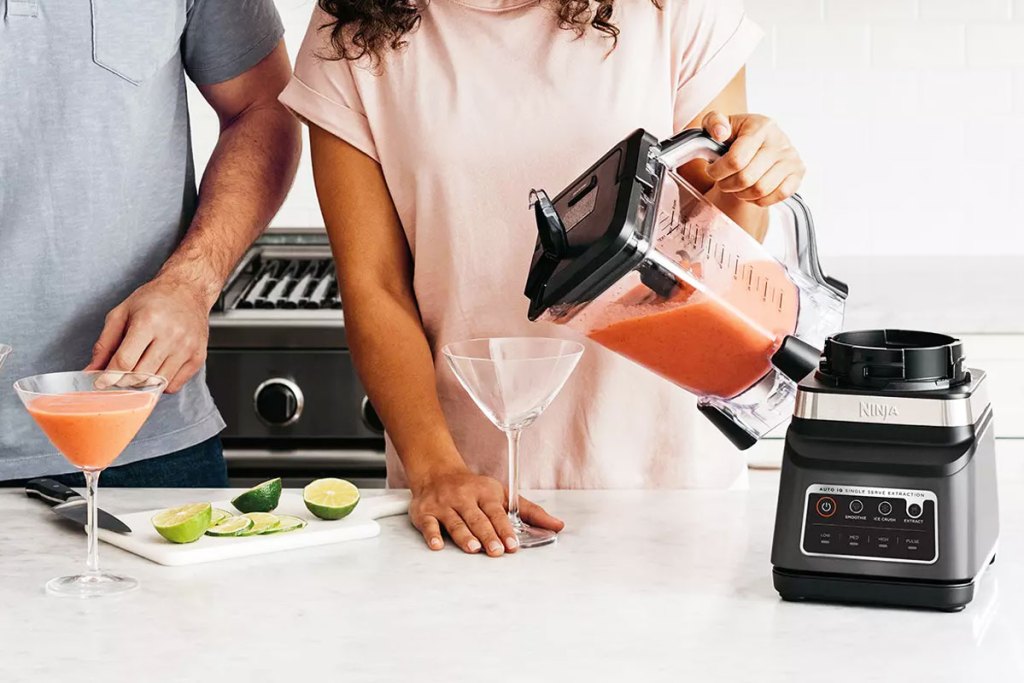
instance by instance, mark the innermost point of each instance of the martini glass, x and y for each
(90, 417)
(4, 350)
(512, 380)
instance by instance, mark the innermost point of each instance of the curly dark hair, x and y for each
(372, 27)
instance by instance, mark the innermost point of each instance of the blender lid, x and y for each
(903, 360)
(595, 231)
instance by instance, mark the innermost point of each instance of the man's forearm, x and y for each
(245, 183)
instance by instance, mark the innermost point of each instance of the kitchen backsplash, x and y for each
(909, 113)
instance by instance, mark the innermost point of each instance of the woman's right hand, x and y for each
(472, 509)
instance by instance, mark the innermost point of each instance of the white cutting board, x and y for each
(145, 542)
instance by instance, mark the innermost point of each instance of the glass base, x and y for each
(91, 585)
(532, 537)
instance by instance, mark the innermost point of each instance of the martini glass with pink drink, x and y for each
(90, 417)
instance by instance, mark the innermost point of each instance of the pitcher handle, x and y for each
(695, 143)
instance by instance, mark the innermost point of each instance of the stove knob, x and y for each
(370, 417)
(278, 402)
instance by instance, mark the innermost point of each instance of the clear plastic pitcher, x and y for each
(636, 259)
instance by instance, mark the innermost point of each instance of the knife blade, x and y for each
(68, 504)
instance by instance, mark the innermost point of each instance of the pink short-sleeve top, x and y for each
(488, 99)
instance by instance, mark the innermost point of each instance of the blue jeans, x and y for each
(199, 466)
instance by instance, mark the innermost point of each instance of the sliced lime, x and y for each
(233, 526)
(217, 516)
(261, 498)
(331, 498)
(288, 523)
(262, 522)
(183, 524)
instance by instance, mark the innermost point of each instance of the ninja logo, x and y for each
(877, 410)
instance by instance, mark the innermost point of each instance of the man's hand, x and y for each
(161, 329)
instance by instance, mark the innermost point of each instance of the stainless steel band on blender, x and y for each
(894, 410)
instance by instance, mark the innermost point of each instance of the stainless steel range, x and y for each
(280, 371)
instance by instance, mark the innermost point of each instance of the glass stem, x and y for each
(513, 477)
(92, 479)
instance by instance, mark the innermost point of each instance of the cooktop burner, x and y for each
(292, 283)
(282, 281)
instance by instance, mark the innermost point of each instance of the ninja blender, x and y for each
(888, 487)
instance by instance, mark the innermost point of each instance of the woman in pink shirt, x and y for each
(429, 125)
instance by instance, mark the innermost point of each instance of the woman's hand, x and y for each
(472, 509)
(761, 166)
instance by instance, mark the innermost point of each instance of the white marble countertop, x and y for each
(642, 586)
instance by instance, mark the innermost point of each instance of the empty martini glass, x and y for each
(512, 380)
(4, 350)
(90, 417)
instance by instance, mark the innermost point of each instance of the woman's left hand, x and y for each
(761, 167)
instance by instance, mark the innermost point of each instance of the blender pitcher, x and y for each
(636, 259)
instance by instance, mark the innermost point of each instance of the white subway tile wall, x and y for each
(909, 113)
(913, 136)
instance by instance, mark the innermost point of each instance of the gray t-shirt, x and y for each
(97, 184)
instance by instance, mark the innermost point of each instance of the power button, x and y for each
(826, 506)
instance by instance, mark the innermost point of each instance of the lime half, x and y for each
(183, 524)
(218, 516)
(287, 523)
(261, 498)
(233, 526)
(262, 522)
(331, 498)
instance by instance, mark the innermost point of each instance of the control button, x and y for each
(914, 510)
(826, 506)
(856, 507)
(885, 508)
(856, 539)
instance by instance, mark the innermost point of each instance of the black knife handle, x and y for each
(51, 491)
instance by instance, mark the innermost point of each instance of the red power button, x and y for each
(826, 506)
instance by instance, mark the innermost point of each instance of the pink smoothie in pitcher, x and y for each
(708, 344)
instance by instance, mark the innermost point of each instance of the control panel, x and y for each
(890, 525)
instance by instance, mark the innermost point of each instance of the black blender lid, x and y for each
(594, 231)
(893, 359)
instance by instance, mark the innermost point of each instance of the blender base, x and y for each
(816, 587)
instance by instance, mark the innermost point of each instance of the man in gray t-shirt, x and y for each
(108, 257)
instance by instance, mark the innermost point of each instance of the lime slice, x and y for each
(331, 498)
(183, 524)
(288, 523)
(218, 516)
(262, 522)
(232, 526)
(261, 498)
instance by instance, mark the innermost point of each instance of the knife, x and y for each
(68, 504)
